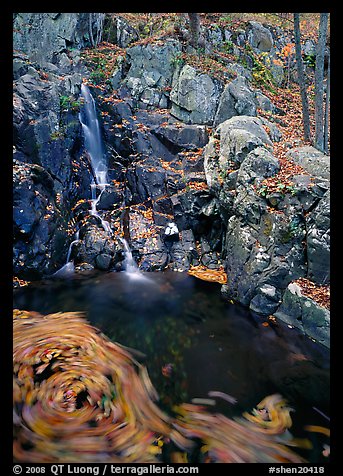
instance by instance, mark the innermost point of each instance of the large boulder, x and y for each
(194, 96)
(313, 161)
(259, 37)
(305, 314)
(261, 257)
(150, 72)
(272, 238)
(232, 141)
(237, 99)
(182, 136)
(262, 241)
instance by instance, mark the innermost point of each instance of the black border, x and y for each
(6, 209)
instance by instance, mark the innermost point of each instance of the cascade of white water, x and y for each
(93, 142)
(131, 268)
(71, 246)
(130, 263)
(68, 268)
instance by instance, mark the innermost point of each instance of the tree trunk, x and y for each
(90, 28)
(301, 79)
(194, 26)
(318, 82)
(327, 107)
(100, 27)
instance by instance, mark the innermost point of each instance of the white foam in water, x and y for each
(68, 268)
(91, 130)
(65, 271)
(131, 268)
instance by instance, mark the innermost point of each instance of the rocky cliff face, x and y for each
(183, 146)
(272, 238)
(49, 37)
(47, 137)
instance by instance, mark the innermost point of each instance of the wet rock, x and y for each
(162, 211)
(97, 248)
(147, 144)
(103, 261)
(155, 256)
(208, 257)
(40, 235)
(47, 133)
(84, 268)
(305, 314)
(109, 198)
(266, 301)
(187, 210)
(183, 252)
(146, 180)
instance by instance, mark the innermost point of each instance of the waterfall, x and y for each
(94, 145)
(93, 141)
(130, 264)
(131, 268)
(68, 268)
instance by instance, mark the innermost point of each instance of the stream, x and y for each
(193, 342)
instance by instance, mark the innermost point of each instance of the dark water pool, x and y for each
(176, 319)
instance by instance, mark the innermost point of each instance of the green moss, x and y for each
(97, 76)
(268, 225)
(69, 103)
